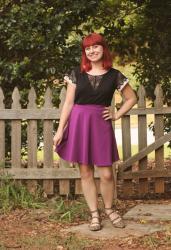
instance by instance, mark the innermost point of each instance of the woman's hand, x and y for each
(108, 114)
(57, 138)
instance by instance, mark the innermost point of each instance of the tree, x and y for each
(139, 31)
(37, 44)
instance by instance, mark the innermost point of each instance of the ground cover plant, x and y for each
(31, 221)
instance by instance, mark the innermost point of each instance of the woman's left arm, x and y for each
(130, 100)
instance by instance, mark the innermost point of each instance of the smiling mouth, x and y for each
(93, 55)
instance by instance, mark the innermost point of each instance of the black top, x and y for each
(97, 89)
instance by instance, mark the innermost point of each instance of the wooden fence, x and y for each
(134, 175)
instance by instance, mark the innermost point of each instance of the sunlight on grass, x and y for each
(134, 148)
(40, 156)
(69, 211)
(57, 241)
(151, 156)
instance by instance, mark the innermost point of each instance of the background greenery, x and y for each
(40, 41)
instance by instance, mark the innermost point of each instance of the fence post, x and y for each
(16, 132)
(159, 131)
(142, 138)
(32, 139)
(48, 143)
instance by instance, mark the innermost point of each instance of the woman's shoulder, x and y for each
(118, 73)
(114, 70)
(73, 74)
(73, 70)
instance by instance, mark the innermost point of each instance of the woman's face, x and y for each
(94, 53)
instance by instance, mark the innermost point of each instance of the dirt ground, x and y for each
(38, 229)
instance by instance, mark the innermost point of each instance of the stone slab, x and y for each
(149, 212)
(108, 231)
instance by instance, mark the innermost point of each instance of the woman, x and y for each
(85, 135)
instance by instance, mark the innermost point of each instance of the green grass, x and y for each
(69, 210)
(134, 148)
(40, 155)
(15, 195)
(156, 240)
(63, 211)
(151, 156)
(69, 242)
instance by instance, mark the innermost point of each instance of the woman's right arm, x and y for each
(66, 109)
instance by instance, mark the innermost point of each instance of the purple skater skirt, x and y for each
(88, 138)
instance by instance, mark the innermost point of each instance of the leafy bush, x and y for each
(14, 195)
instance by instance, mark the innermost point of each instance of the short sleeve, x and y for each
(71, 77)
(121, 81)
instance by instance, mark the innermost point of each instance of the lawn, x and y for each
(134, 149)
(46, 228)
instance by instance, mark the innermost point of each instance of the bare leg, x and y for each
(90, 193)
(106, 185)
(107, 191)
(88, 186)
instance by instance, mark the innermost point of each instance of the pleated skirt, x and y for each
(88, 138)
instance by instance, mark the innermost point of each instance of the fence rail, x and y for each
(134, 169)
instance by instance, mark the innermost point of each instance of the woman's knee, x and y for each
(86, 172)
(106, 175)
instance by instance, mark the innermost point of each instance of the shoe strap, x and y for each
(109, 208)
(94, 211)
(115, 219)
(112, 212)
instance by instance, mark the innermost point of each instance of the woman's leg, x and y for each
(107, 191)
(106, 185)
(90, 194)
(89, 186)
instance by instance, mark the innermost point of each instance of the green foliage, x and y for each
(35, 41)
(40, 40)
(14, 195)
(139, 33)
(69, 210)
(153, 54)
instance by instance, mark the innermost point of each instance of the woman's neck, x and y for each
(97, 66)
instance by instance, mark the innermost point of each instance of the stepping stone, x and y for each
(108, 231)
(149, 212)
(136, 223)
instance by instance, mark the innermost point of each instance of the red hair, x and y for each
(90, 40)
